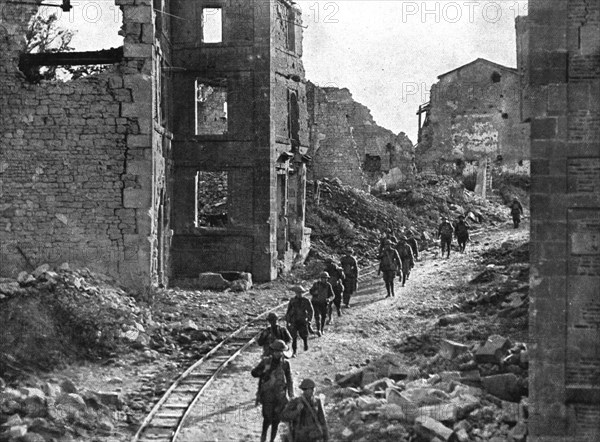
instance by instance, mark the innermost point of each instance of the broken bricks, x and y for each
(493, 350)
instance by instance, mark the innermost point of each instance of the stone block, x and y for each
(110, 399)
(350, 379)
(136, 198)
(71, 401)
(518, 433)
(450, 349)
(212, 281)
(137, 14)
(392, 412)
(493, 351)
(441, 412)
(137, 50)
(429, 428)
(504, 386)
(136, 167)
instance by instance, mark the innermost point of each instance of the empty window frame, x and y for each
(212, 25)
(211, 107)
(212, 194)
(293, 116)
(287, 18)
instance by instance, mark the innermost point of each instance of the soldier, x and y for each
(336, 279)
(445, 232)
(275, 386)
(272, 332)
(298, 316)
(322, 294)
(406, 258)
(389, 264)
(350, 267)
(462, 233)
(516, 211)
(306, 416)
(414, 245)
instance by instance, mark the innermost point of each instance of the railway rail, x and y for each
(166, 418)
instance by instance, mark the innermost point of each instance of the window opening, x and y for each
(212, 25)
(211, 199)
(496, 77)
(291, 31)
(211, 107)
(293, 116)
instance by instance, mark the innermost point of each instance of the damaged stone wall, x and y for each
(565, 210)
(83, 162)
(261, 149)
(346, 142)
(475, 116)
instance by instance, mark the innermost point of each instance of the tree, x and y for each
(44, 35)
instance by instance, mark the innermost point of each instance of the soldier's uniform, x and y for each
(322, 294)
(445, 232)
(271, 333)
(462, 233)
(389, 265)
(275, 386)
(306, 416)
(350, 267)
(406, 258)
(298, 316)
(336, 279)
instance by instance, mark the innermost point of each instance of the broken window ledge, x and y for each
(218, 231)
(288, 52)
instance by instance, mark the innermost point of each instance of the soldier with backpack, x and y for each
(350, 267)
(445, 232)
(516, 211)
(322, 294)
(389, 265)
(462, 233)
(336, 279)
(406, 258)
(275, 387)
(306, 416)
(272, 333)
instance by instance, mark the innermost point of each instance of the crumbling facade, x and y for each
(239, 138)
(564, 76)
(84, 164)
(95, 173)
(474, 118)
(346, 143)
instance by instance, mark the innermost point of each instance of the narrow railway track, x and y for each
(166, 418)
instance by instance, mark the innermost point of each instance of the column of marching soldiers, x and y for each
(336, 285)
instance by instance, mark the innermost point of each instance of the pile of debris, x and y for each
(48, 317)
(342, 216)
(52, 410)
(482, 396)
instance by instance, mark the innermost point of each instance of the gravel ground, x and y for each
(373, 326)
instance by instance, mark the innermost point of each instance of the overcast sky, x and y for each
(387, 52)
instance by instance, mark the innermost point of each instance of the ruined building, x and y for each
(564, 78)
(346, 143)
(473, 118)
(185, 155)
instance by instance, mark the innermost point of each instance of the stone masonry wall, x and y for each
(77, 160)
(564, 69)
(343, 137)
(475, 118)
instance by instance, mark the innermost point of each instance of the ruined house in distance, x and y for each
(347, 143)
(473, 120)
(185, 155)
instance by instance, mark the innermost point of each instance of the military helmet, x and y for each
(298, 289)
(349, 251)
(278, 345)
(307, 384)
(324, 275)
(387, 242)
(271, 317)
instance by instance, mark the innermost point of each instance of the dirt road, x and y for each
(373, 326)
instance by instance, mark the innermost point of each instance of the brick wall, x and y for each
(565, 259)
(83, 162)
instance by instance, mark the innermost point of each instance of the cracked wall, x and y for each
(475, 116)
(84, 162)
(345, 140)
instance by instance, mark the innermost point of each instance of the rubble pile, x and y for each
(53, 410)
(342, 216)
(51, 316)
(481, 398)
